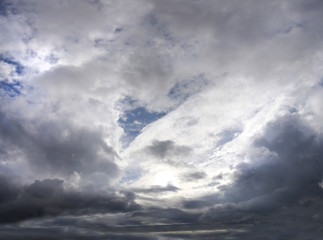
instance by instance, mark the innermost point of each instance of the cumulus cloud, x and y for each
(55, 147)
(273, 189)
(209, 111)
(295, 169)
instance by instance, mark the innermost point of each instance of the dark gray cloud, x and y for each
(292, 170)
(166, 216)
(69, 234)
(196, 204)
(56, 146)
(277, 188)
(193, 176)
(156, 189)
(49, 198)
(167, 149)
(98, 232)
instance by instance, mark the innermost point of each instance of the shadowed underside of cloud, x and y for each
(166, 216)
(63, 234)
(282, 188)
(166, 149)
(282, 181)
(49, 198)
(292, 169)
(56, 147)
(130, 233)
(156, 189)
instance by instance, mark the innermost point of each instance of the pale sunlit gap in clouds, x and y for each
(161, 119)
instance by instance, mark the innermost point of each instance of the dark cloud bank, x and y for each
(278, 196)
(48, 198)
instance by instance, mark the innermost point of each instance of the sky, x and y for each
(161, 119)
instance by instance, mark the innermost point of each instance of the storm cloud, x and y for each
(49, 198)
(278, 187)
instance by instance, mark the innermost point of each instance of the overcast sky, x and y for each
(161, 119)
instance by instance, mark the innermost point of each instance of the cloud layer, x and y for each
(161, 119)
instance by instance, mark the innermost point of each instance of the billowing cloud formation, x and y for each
(285, 183)
(55, 148)
(206, 114)
(48, 198)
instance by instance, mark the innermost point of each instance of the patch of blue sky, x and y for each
(159, 27)
(184, 89)
(30, 53)
(6, 8)
(52, 59)
(3, 8)
(131, 175)
(106, 42)
(11, 89)
(103, 43)
(9, 86)
(293, 110)
(321, 82)
(119, 29)
(134, 120)
(228, 135)
(19, 69)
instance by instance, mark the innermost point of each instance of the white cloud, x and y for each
(223, 73)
